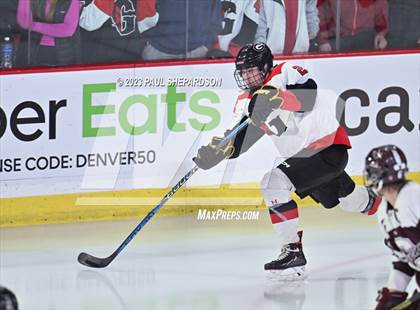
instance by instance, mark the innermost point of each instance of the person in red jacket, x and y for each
(360, 25)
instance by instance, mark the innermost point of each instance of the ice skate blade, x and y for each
(290, 274)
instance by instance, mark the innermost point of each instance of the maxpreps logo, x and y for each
(124, 17)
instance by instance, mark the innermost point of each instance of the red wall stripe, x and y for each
(160, 63)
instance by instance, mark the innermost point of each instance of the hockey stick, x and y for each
(97, 262)
(408, 302)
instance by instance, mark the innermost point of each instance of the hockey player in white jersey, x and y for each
(399, 218)
(283, 102)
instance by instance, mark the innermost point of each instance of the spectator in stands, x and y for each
(362, 25)
(404, 24)
(112, 29)
(239, 23)
(53, 32)
(8, 26)
(8, 11)
(186, 29)
(287, 26)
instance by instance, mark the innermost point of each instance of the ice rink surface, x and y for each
(183, 263)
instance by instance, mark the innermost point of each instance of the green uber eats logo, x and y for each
(151, 101)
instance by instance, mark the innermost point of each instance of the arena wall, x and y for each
(105, 142)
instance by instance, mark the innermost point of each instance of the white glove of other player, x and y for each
(414, 257)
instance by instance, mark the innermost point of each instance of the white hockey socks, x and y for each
(360, 200)
(284, 218)
(276, 189)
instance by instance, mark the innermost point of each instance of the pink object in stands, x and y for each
(49, 30)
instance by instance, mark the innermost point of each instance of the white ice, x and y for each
(183, 263)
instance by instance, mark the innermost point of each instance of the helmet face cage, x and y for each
(372, 178)
(384, 165)
(256, 55)
(251, 80)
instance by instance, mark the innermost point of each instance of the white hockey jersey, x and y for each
(315, 129)
(401, 227)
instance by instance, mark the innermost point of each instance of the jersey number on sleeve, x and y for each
(301, 70)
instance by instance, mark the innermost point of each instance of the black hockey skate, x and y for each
(290, 265)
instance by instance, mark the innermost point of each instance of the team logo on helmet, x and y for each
(259, 47)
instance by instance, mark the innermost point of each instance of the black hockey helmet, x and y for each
(7, 299)
(257, 55)
(384, 165)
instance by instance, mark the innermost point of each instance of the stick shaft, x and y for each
(173, 190)
(156, 209)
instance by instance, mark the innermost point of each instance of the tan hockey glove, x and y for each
(210, 155)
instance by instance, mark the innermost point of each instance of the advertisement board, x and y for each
(116, 129)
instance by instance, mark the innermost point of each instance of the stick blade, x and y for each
(92, 261)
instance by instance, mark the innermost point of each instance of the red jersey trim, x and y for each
(339, 137)
(276, 70)
(146, 9)
(291, 102)
(244, 95)
(105, 6)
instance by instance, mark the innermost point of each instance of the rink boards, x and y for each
(107, 142)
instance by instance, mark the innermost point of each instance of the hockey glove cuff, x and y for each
(373, 203)
(387, 299)
(210, 155)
